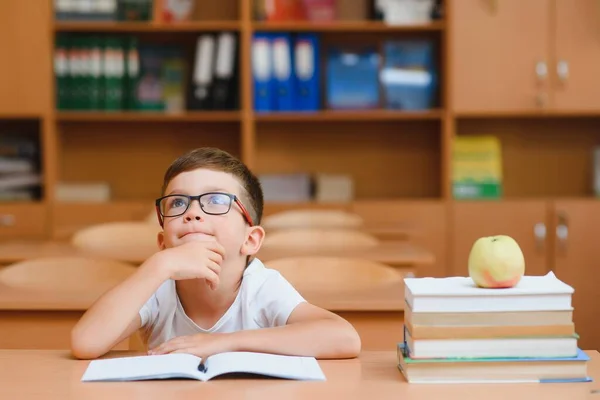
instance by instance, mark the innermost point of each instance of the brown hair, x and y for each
(219, 160)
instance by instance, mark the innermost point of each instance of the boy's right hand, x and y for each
(195, 260)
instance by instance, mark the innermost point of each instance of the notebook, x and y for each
(187, 366)
(460, 294)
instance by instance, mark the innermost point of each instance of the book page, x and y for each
(278, 366)
(144, 367)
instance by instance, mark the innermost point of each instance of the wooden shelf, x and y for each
(527, 114)
(359, 115)
(94, 26)
(139, 116)
(346, 26)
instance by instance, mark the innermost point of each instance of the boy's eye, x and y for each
(218, 199)
(177, 202)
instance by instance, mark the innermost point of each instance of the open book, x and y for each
(187, 366)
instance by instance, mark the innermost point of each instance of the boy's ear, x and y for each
(161, 240)
(254, 239)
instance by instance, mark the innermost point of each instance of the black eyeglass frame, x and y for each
(233, 197)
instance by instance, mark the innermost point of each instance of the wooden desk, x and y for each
(394, 253)
(38, 320)
(15, 251)
(373, 375)
(44, 320)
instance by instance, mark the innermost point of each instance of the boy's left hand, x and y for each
(202, 345)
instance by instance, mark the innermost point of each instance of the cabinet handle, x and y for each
(7, 220)
(562, 231)
(539, 231)
(541, 70)
(541, 99)
(562, 70)
(494, 6)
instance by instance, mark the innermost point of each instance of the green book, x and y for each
(114, 70)
(61, 71)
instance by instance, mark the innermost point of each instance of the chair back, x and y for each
(309, 218)
(66, 274)
(124, 241)
(334, 274)
(319, 239)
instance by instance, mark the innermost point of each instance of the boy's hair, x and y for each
(219, 160)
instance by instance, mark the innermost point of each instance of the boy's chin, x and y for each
(196, 237)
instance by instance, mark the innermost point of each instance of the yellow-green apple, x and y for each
(496, 262)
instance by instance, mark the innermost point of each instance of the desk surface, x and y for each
(385, 298)
(396, 253)
(53, 374)
(388, 252)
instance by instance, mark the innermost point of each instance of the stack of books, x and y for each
(456, 332)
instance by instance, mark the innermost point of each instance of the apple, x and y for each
(496, 262)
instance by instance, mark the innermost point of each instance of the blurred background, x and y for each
(424, 124)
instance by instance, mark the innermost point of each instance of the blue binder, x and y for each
(262, 72)
(307, 68)
(283, 71)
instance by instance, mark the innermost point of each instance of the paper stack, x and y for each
(456, 332)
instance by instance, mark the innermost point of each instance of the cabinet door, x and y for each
(577, 257)
(26, 67)
(497, 50)
(577, 55)
(524, 221)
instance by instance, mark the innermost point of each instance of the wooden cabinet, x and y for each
(576, 261)
(23, 221)
(496, 54)
(577, 55)
(523, 220)
(523, 56)
(556, 235)
(26, 68)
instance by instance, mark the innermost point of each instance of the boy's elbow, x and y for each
(83, 348)
(353, 343)
(349, 344)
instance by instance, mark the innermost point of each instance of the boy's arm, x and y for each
(310, 331)
(115, 315)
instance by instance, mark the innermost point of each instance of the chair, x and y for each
(319, 238)
(124, 241)
(308, 218)
(68, 279)
(334, 274)
(66, 274)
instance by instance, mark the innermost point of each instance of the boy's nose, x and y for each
(194, 212)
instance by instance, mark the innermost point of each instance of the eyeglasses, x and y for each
(212, 203)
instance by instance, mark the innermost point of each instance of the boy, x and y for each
(203, 293)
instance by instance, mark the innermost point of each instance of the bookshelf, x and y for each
(401, 161)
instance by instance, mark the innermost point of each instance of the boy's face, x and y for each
(231, 230)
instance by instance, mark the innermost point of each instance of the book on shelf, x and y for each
(188, 366)
(477, 167)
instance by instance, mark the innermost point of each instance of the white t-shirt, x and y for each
(265, 299)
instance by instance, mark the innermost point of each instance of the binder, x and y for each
(262, 70)
(202, 79)
(307, 72)
(283, 71)
(61, 71)
(132, 73)
(225, 87)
